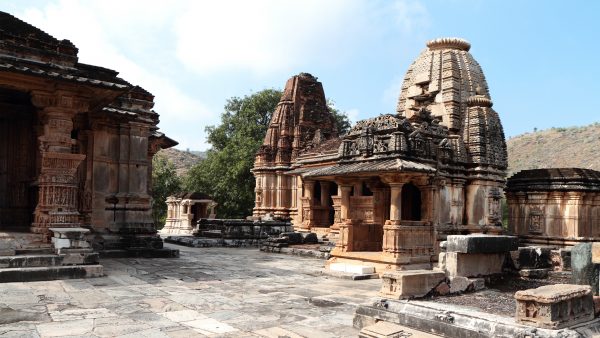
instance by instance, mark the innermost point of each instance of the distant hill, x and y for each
(556, 147)
(183, 160)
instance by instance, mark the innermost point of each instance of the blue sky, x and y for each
(539, 57)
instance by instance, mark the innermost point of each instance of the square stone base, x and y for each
(555, 306)
(410, 283)
(471, 265)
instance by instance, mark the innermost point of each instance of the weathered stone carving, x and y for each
(87, 137)
(555, 306)
(405, 181)
(301, 122)
(557, 206)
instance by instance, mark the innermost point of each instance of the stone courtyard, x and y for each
(248, 294)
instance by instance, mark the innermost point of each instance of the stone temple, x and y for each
(76, 144)
(397, 184)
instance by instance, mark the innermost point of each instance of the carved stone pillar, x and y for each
(346, 240)
(309, 189)
(396, 201)
(57, 180)
(307, 205)
(358, 189)
(344, 206)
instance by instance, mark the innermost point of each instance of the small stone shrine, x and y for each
(185, 210)
(556, 206)
(76, 145)
(397, 184)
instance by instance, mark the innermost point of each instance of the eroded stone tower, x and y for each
(301, 121)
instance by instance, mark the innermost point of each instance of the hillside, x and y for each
(183, 160)
(556, 147)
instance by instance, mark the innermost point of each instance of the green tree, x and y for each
(225, 172)
(165, 182)
(342, 123)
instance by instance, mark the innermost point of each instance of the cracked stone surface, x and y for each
(207, 292)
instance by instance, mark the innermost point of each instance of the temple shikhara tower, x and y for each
(76, 143)
(397, 184)
(301, 121)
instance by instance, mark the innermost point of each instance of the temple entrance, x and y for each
(17, 161)
(411, 203)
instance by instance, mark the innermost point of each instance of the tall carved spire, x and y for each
(300, 121)
(447, 81)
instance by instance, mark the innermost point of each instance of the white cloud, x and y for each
(100, 32)
(353, 115)
(152, 43)
(266, 36)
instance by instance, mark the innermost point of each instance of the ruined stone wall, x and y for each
(554, 206)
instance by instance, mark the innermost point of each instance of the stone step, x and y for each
(9, 275)
(25, 261)
(35, 251)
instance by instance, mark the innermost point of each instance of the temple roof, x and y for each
(560, 179)
(27, 49)
(390, 165)
(193, 196)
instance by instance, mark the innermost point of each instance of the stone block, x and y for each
(459, 284)
(389, 330)
(80, 257)
(472, 265)
(71, 233)
(596, 253)
(478, 283)
(410, 283)
(310, 238)
(561, 259)
(60, 243)
(584, 272)
(532, 257)
(442, 289)
(555, 306)
(350, 268)
(481, 244)
(596, 305)
(534, 273)
(293, 237)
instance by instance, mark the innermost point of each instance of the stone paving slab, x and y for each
(207, 292)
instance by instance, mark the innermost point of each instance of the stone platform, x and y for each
(207, 292)
(458, 321)
(27, 257)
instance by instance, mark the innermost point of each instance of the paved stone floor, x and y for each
(215, 292)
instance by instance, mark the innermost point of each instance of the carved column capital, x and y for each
(59, 101)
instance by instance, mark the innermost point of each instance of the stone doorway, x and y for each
(18, 151)
(411, 203)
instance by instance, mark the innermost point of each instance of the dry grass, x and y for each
(557, 147)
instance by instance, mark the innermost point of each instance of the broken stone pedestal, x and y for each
(70, 244)
(475, 255)
(555, 306)
(410, 283)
